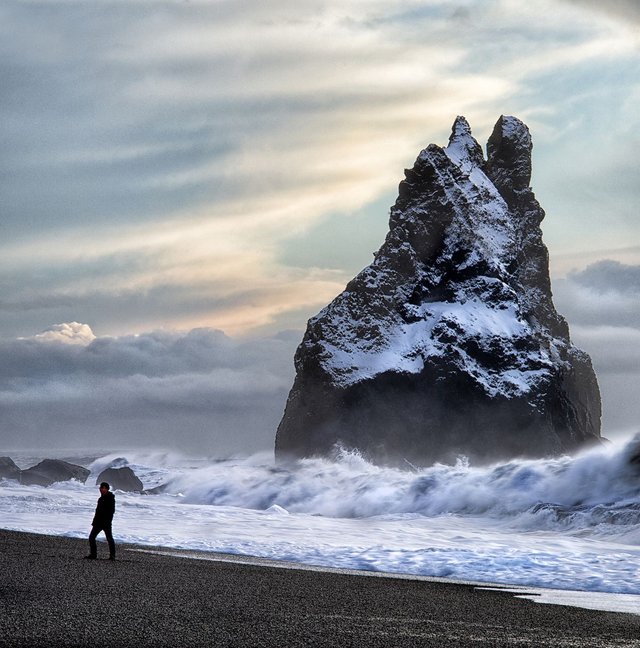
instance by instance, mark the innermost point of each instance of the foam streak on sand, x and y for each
(568, 523)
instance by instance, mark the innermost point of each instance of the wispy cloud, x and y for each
(627, 11)
(155, 151)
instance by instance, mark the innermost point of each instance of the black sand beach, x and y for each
(51, 596)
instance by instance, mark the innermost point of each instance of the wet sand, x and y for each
(51, 596)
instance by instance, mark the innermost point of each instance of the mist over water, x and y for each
(569, 523)
(596, 488)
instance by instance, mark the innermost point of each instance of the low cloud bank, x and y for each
(198, 391)
(602, 305)
(205, 393)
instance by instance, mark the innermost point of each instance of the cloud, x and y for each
(174, 145)
(71, 333)
(245, 301)
(606, 293)
(602, 306)
(610, 276)
(231, 164)
(615, 352)
(626, 10)
(615, 349)
(198, 391)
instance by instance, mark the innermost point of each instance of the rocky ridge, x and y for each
(449, 342)
(45, 473)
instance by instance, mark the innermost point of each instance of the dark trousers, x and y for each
(107, 532)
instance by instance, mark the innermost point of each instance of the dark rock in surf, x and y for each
(8, 469)
(123, 479)
(449, 342)
(634, 457)
(50, 471)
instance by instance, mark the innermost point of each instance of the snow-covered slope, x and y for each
(448, 343)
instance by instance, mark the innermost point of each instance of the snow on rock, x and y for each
(449, 342)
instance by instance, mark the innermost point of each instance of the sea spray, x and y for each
(595, 489)
(567, 523)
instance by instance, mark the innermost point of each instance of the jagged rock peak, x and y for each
(449, 342)
(463, 147)
(509, 156)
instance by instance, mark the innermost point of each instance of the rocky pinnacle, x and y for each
(449, 343)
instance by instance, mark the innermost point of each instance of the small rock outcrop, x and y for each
(448, 343)
(123, 479)
(50, 471)
(8, 469)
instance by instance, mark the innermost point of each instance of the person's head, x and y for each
(104, 488)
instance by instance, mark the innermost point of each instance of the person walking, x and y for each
(102, 522)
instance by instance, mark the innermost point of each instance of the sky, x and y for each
(184, 183)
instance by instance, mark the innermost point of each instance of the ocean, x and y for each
(568, 526)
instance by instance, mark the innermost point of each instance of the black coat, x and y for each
(105, 510)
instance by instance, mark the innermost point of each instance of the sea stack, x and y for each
(448, 344)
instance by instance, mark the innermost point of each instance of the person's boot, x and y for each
(90, 557)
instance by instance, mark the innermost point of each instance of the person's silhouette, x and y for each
(102, 522)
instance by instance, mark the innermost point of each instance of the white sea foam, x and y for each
(568, 523)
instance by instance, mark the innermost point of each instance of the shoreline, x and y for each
(50, 595)
(584, 599)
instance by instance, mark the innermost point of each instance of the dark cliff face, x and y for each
(448, 343)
